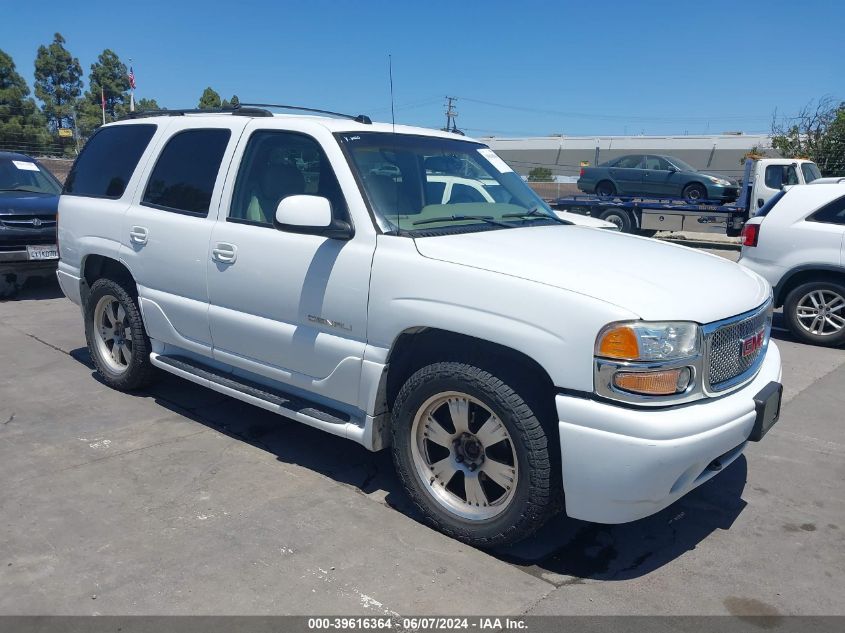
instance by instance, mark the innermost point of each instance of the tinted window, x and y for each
(764, 210)
(832, 213)
(434, 192)
(107, 161)
(778, 176)
(811, 172)
(464, 193)
(629, 162)
(281, 164)
(184, 175)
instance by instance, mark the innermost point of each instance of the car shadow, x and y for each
(564, 551)
(37, 289)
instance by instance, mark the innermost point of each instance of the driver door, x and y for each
(289, 306)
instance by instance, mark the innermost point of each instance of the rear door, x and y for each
(627, 174)
(168, 227)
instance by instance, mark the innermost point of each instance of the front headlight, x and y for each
(649, 341)
(719, 181)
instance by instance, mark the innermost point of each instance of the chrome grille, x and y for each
(29, 221)
(726, 364)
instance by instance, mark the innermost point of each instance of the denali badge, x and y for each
(751, 344)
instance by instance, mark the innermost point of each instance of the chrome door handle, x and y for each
(224, 253)
(138, 235)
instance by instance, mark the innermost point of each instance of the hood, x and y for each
(652, 279)
(26, 203)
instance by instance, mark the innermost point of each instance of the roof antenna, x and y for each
(390, 72)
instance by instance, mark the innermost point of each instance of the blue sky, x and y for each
(560, 67)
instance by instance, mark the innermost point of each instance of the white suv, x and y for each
(797, 242)
(513, 361)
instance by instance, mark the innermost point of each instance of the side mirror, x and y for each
(672, 168)
(311, 215)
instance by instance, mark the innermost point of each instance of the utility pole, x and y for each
(451, 115)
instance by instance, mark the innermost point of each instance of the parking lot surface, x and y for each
(178, 500)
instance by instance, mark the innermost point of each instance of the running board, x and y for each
(274, 400)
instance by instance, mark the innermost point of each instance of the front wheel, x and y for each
(815, 313)
(472, 455)
(695, 193)
(117, 340)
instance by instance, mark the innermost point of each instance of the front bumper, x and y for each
(718, 192)
(621, 464)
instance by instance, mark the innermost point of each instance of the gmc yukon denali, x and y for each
(515, 363)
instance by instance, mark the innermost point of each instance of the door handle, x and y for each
(224, 253)
(138, 235)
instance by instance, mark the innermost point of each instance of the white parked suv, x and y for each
(514, 362)
(797, 242)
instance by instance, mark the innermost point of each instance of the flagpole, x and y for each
(132, 91)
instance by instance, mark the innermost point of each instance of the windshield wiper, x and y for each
(459, 218)
(536, 212)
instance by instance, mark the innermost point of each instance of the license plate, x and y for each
(767, 405)
(43, 252)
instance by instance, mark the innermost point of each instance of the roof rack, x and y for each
(245, 109)
(235, 111)
(360, 118)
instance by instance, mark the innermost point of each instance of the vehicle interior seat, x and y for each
(278, 180)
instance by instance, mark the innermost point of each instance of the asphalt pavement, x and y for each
(178, 500)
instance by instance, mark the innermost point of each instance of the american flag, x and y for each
(131, 78)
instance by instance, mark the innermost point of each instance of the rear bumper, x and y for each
(621, 464)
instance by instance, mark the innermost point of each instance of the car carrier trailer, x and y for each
(645, 215)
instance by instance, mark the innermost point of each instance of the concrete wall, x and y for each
(721, 154)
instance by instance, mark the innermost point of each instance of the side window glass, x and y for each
(107, 161)
(279, 164)
(776, 176)
(630, 162)
(184, 175)
(831, 213)
(791, 177)
(655, 162)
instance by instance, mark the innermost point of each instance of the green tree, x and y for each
(22, 126)
(817, 133)
(111, 75)
(58, 82)
(147, 104)
(209, 99)
(540, 174)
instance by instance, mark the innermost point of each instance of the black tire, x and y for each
(605, 189)
(796, 298)
(695, 192)
(619, 217)
(537, 487)
(139, 372)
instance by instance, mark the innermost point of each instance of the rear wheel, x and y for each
(695, 192)
(472, 455)
(815, 312)
(605, 189)
(117, 340)
(619, 217)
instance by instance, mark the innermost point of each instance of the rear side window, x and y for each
(184, 175)
(108, 160)
(831, 213)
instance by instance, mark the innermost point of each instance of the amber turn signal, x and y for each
(654, 383)
(619, 342)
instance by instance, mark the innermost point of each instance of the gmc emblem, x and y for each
(752, 344)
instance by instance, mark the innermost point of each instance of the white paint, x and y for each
(494, 160)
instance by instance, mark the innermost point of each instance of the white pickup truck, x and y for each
(515, 362)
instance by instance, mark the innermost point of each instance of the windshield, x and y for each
(677, 162)
(420, 184)
(811, 172)
(26, 175)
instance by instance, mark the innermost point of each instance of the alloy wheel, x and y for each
(821, 312)
(113, 334)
